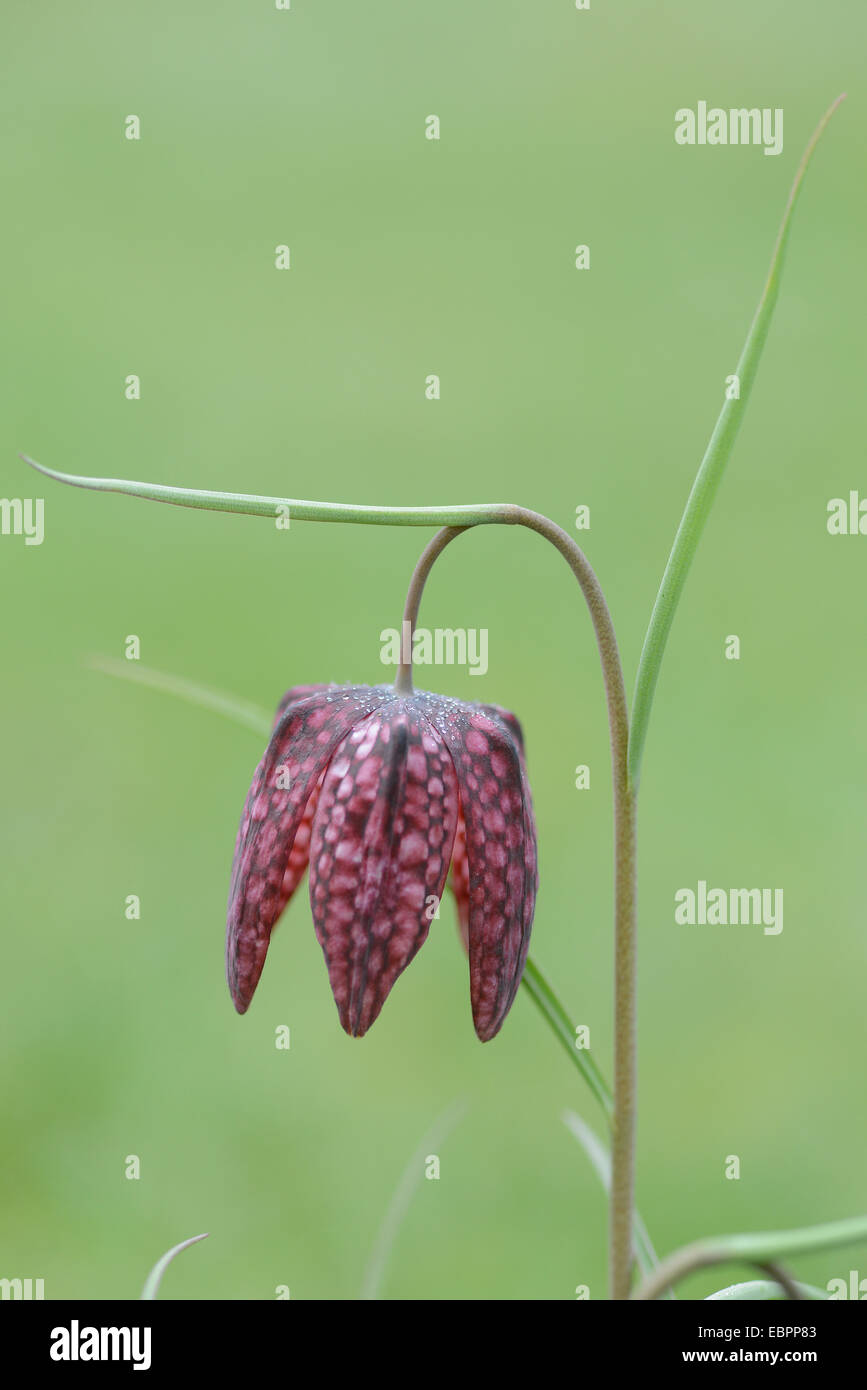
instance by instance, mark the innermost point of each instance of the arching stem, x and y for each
(413, 599)
(623, 1120)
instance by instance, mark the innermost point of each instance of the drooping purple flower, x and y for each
(380, 792)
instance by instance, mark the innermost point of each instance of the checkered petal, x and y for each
(271, 846)
(495, 872)
(379, 856)
(459, 878)
(298, 692)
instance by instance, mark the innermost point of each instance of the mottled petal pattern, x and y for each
(299, 852)
(298, 692)
(500, 851)
(460, 882)
(510, 720)
(264, 872)
(459, 879)
(382, 842)
(380, 793)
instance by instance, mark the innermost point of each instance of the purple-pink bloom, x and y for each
(380, 792)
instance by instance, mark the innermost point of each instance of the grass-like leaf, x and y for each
(240, 711)
(709, 476)
(152, 1282)
(761, 1291)
(250, 504)
(403, 1195)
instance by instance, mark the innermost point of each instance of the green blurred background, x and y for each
(412, 257)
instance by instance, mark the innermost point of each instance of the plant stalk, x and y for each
(623, 1112)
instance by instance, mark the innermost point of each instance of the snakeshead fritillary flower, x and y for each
(381, 792)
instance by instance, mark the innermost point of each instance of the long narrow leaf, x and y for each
(152, 1282)
(558, 1020)
(403, 1195)
(240, 711)
(761, 1291)
(709, 476)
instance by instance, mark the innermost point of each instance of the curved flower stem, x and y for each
(625, 897)
(403, 684)
(625, 1091)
